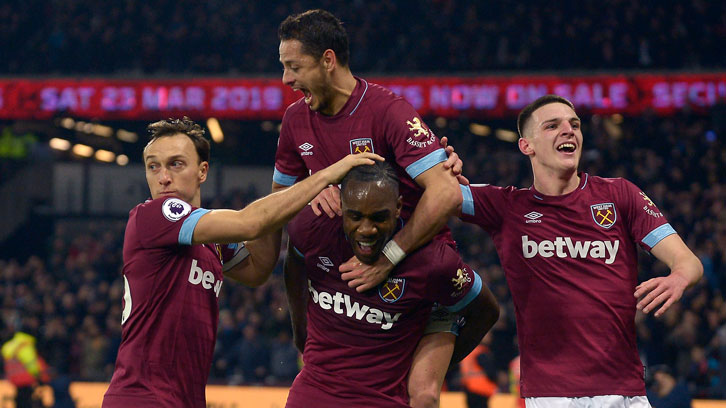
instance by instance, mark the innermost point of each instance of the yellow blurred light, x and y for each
(617, 118)
(440, 122)
(105, 156)
(126, 136)
(215, 130)
(102, 130)
(67, 123)
(506, 135)
(122, 160)
(479, 129)
(80, 125)
(59, 144)
(83, 150)
(267, 126)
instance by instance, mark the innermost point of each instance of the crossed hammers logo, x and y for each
(605, 216)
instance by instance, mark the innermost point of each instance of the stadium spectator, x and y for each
(172, 272)
(570, 239)
(24, 367)
(478, 376)
(666, 391)
(103, 37)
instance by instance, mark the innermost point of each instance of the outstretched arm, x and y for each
(686, 270)
(270, 213)
(297, 295)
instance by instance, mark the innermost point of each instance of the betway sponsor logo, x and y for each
(564, 247)
(205, 278)
(340, 304)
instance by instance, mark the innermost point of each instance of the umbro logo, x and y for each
(325, 263)
(306, 149)
(533, 217)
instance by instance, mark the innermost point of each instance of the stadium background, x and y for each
(649, 81)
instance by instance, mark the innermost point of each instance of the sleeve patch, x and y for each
(473, 293)
(175, 209)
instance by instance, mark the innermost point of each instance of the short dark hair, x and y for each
(318, 30)
(526, 113)
(186, 126)
(379, 171)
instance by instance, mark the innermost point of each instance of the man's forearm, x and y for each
(264, 253)
(690, 268)
(434, 208)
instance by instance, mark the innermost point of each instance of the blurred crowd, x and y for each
(70, 294)
(227, 37)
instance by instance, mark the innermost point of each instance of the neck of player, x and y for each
(343, 84)
(554, 183)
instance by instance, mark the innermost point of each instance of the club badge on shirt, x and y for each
(604, 214)
(420, 136)
(392, 289)
(364, 145)
(175, 209)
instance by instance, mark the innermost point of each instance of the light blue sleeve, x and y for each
(430, 160)
(187, 230)
(282, 178)
(467, 205)
(655, 236)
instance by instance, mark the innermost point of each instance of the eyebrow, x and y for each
(174, 157)
(559, 119)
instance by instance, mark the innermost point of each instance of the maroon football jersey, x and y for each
(373, 120)
(571, 267)
(360, 346)
(170, 313)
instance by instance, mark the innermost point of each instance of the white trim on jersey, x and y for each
(361, 98)
(240, 254)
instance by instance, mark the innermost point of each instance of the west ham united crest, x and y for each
(364, 145)
(392, 290)
(604, 214)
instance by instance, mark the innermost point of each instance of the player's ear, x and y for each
(525, 147)
(203, 171)
(399, 205)
(329, 59)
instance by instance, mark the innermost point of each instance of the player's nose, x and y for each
(367, 228)
(567, 128)
(287, 78)
(164, 177)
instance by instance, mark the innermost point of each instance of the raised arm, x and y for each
(686, 270)
(270, 213)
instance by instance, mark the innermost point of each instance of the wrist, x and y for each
(393, 252)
